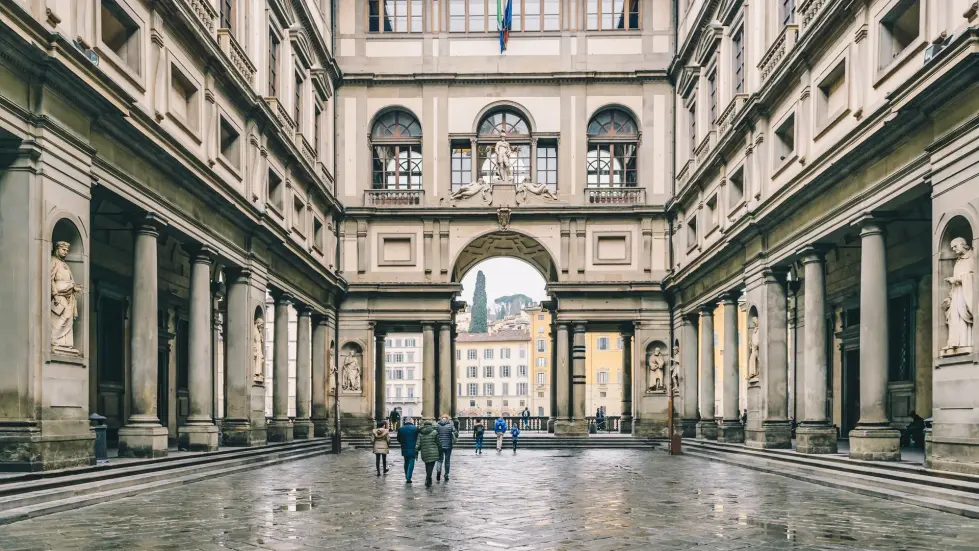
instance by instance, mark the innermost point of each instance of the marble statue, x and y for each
(505, 157)
(64, 300)
(656, 367)
(754, 344)
(959, 305)
(351, 372)
(675, 371)
(540, 190)
(480, 186)
(258, 349)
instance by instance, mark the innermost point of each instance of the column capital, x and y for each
(579, 326)
(320, 318)
(303, 310)
(872, 223)
(150, 223)
(688, 318)
(774, 274)
(628, 329)
(813, 253)
(730, 298)
(708, 309)
(281, 298)
(200, 254)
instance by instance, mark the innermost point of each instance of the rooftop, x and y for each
(499, 336)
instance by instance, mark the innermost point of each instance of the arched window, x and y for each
(517, 131)
(396, 141)
(613, 139)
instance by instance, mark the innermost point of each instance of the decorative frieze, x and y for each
(615, 196)
(236, 55)
(393, 197)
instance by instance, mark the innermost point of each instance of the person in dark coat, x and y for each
(478, 431)
(447, 438)
(428, 448)
(526, 417)
(514, 433)
(408, 438)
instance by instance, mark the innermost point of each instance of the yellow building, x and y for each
(540, 361)
(719, 358)
(603, 373)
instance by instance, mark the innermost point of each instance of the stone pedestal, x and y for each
(280, 430)
(357, 424)
(302, 429)
(197, 438)
(247, 432)
(730, 432)
(143, 441)
(550, 426)
(775, 435)
(707, 429)
(875, 443)
(813, 439)
(688, 427)
(650, 428)
(25, 449)
(571, 428)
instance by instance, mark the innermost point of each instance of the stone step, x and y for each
(533, 443)
(958, 501)
(30, 482)
(75, 489)
(174, 479)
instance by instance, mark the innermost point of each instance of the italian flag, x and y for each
(504, 21)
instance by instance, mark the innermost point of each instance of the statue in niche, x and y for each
(754, 345)
(656, 369)
(504, 156)
(258, 350)
(540, 190)
(332, 371)
(351, 372)
(675, 371)
(958, 305)
(64, 300)
(479, 187)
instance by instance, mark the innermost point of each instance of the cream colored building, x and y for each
(493, 373)
(603, 361)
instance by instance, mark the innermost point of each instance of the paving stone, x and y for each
(593, 500)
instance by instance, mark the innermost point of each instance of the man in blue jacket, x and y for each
(447, 438)
(407, 438)
(499, 427)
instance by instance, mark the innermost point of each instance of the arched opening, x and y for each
(508, 124)
(613, 143)
(505, 243)
(396, 144)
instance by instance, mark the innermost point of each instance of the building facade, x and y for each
(493, 373)
(603, 359)
(403, 365)
(541, 360)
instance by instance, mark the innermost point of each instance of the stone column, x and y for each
(731, 429)
(143, 436)
(815, 434)
(454, 373)
(562, 379)
(625, 423)
(873, 438)
(199, 432)
(445, 370)
(428, 371)
(707, 427)
(320, 377)
(380, 375)
(552, 388)
(237, 427)
(776, 429)
(303, 427)
(688, 365)
(577, 425)
(280, 429)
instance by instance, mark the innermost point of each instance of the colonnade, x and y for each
(768, 423)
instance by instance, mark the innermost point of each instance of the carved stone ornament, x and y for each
(959, 305)
(480, 187)
(655, 371)
(351, 373)
(675, 371)
(258, 350)
(754, 346)
(64, 301)
(525, 189)
(503, 217)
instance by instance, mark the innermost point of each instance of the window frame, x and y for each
(585, 4)
(134, 74)
(737, 59)
(274, 65)
(409, 17)
(613, 142)
(489, 19)
(400, 144)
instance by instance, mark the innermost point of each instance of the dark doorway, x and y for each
(851, 390)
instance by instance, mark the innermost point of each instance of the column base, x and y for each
(143, 441)
(571, 428)
(24, 449)
(238, 433)
(358, 425)
(875, 443)
(321, 428)
(815, 439)
(646, 428)
(707, 430)
(550, 426)
(688, 427)
(197, 438)
(280, 430)
(774, 435)
(302, 429)
(730, 432)
(625, 424)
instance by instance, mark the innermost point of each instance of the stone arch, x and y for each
(621, 107)
(656, 366)
(497, 243)
(389, 109)
(68, 307)
(501, 105)
(949, 342)
(351, 368)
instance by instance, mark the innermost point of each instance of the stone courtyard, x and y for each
(574, 500)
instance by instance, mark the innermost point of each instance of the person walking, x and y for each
(381, 440)
(408, 439)
(526, 417)
(514, 433)
(447, 438)
(600, 420)
(478, 431)
(395, 419)
(499, 427)
(428, 448)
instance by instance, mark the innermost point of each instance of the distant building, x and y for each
(603, 373)
(492, 373)
(540, 361)
(403, 362)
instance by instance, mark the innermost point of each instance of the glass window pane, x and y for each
(476, 16)
(457, 16)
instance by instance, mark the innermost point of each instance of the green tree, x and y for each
(478, 322)
(511, 305)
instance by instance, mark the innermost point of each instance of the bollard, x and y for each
(101, 446)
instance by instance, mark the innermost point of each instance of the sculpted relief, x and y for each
(64, 301)
(351, 371)
(258, 350)
(959, 304)
(754, 345)
(504, 157)
(655, 370)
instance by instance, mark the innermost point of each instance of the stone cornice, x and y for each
(582, 77)
(613, 211)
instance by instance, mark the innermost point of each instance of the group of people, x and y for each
(433, 443)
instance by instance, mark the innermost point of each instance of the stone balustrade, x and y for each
(236, 55)
(778, 51)
(726, 119)
(204, 13)
(281, 114)
(393, 197)
(808, 10)
(615, 196)
(685, 173)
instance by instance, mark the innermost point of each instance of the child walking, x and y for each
(382, 444)
(478, 431)
(514, 433)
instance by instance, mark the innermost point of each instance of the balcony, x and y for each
(306, 149)
(204, 13)
(394, 197)
(685, 173)
(615, 195)
(777, 53)
(281, 114)
(727, 117)
(808, 11)
(236, 55)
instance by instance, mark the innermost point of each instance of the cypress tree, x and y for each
(478, 322)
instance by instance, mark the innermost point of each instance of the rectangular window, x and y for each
(506, 389)
(471, 372)
(521, 371)
(458, 355)
(541, 345)
(606, 15)
(504, 371)
(831, 95)
(523, 353)
(461, 165)
(488, 354)
(603, 343)
(317, 234)
(785, 140)
(692, 126)
(317, 121)
(787, 12)
(228, 14)
(184, 99)
(692, 232)
(541, 362)
(410, 373)
(603, 394)
(899, 29)
(394, 16)
(736, 188)
(542, 378)
(713, 216)
(120, 33)
(399, 357)
(547, 164)
(477, 16)
(472, 389)
(410, 343)
(540, 317)
(297, 100)
(228, 141)
(603, 377)
(397, 392)
(488, 389)
(737, 42)
(471, 353)
(489, 403)
(411, 392)
(618, 343)
(521, 389)
(712, 97)
(612, 165)
(488, 371)
(504, 353)
(273, 62)
(409, 357)
(472, 403)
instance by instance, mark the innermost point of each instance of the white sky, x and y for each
(504, 276)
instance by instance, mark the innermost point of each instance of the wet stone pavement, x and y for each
(575, 500)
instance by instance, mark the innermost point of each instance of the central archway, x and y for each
(505, 243)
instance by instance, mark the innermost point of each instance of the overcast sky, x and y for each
(504, 276)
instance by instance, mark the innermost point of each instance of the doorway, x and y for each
(851, 390)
